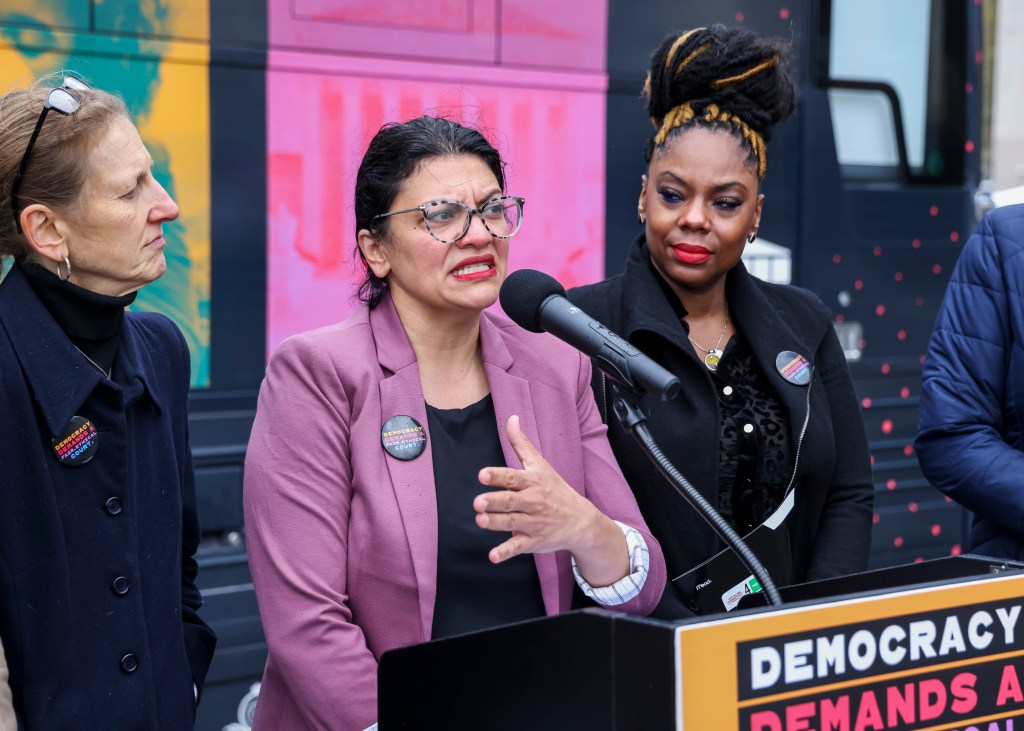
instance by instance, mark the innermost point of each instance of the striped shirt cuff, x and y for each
(629, 586)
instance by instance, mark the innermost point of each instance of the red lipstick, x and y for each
(691, 253)
(475, 267)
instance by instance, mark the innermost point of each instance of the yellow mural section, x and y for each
(155, 54)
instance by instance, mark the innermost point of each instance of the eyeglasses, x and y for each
(60, 100)
(448, 221)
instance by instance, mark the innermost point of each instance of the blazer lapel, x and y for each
(511, 395)
(59, 376)
(401, 394)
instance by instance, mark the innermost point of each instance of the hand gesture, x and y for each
(545, 514)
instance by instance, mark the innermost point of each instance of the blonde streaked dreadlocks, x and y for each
(720, 77)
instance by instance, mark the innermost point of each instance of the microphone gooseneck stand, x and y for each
(632, 420)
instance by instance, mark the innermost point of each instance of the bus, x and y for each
(257, 113)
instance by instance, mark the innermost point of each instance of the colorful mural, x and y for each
(155, 54)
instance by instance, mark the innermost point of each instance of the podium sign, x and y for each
(937, 658)
(946, 655)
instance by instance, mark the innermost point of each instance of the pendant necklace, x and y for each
(98, 367)
(713, 355)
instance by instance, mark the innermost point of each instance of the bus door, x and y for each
(889, 163)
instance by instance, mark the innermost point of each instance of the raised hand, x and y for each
(544, 514)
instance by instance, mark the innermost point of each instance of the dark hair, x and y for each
(394, 155)
(59, 165)
(720, 77)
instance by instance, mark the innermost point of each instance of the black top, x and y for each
(754, 457)
(91, 320)
(473, 593)
(754, 454)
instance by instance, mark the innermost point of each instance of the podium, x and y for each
(928, 646)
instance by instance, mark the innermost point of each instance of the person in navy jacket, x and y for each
(971, 432)
(98, 526)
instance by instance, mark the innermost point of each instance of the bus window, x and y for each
(865, 132)
(896, 102)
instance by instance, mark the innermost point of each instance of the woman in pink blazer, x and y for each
(395, 490)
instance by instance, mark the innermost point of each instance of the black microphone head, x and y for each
(522, 294)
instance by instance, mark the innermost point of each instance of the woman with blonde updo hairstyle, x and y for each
(98, 524)
(767, 426)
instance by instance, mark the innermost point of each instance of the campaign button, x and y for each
(403, 437)
(77, 443)
(793, 367)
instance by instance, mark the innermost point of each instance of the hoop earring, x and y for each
(753, 235)
(67, 264)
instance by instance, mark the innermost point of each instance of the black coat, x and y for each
(833, 512)
(97, 577)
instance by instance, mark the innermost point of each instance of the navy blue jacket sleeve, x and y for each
(966, 417)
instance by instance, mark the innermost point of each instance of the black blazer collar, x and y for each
(645, 304)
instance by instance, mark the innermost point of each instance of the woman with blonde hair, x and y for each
(98, 525)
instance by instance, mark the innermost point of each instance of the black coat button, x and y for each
(129, 663)
(121, 586)
(113, 506)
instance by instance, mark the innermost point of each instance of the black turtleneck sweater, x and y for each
(92, 321)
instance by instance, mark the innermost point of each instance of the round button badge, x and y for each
(77, 443)
(793, 367)
(403, 437)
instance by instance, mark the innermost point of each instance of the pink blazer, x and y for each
(342, 537)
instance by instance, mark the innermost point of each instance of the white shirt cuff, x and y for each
(629, 586)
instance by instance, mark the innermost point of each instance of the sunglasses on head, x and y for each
(60, 100)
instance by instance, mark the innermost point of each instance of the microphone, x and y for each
(536, 302)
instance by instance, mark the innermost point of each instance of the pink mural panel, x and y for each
(322, 112)
(569, 34)
(457, 30)
(563, 35)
